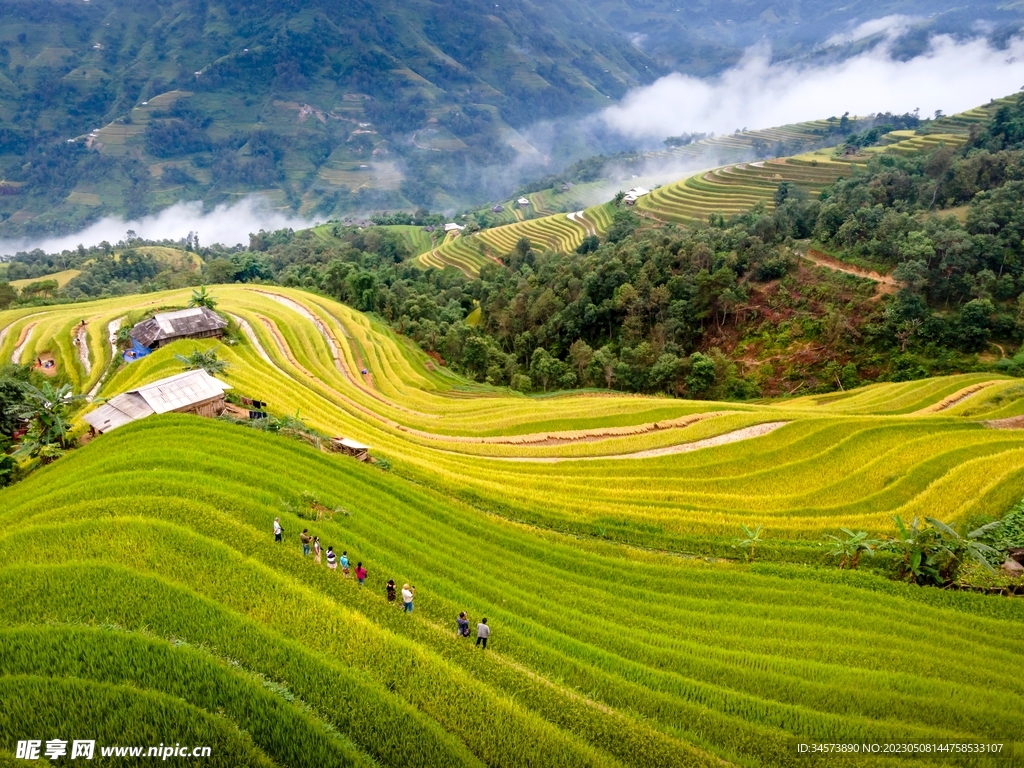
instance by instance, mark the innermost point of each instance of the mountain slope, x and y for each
(324, 104)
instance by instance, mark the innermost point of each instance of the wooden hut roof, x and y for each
(174, 325)
(169, 394)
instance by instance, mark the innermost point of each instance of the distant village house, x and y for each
(635, 194)
(522, 201)
(165, 327)
(497, 209)
(195, 392)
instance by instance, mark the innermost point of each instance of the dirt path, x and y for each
(885, 283)
(112, 328)
(735, 436)
(957, 397)
(250, 334)
(3, 334)
(82, 342)
(26, 334)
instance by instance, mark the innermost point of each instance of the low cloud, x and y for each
(759, 93)
(892, 27)
(225, 224)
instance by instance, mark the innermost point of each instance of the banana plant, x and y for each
(849, 549)
(749, 540)
(970, 546)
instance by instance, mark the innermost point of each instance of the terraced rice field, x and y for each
(139, 574)
(559, 232)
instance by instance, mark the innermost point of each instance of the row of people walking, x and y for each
(311, 545)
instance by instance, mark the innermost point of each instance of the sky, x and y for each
(759, 93)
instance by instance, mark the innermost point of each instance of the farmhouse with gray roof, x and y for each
(165, 327)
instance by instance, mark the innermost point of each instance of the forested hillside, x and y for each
(116, 106)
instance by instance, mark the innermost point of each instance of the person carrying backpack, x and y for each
(344, 563)
(463, 625)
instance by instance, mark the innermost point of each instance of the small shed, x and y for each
(497, 208)
(351, 448)
(195, 392)
(635, 194)
(165, 327)
(522, 201)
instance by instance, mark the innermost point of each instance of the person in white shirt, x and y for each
(482, 633)
(407, 594)
(278, 530)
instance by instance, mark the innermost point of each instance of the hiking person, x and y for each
(305, 538)
(344, 563)
(278, 530)
(463, 622)
(316, 550)
(482, 632)
(360, 573)
(332, 559)
(407, 595)
(391, 590)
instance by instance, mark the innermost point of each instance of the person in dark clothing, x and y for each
(391, 590)
(463, 624)
(482, 633)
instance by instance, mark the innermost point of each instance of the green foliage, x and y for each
(749, 541)
(851, 546)
(202, 298)
(203, 360)
(48, 409)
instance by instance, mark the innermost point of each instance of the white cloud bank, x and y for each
(225, 224)
(951, 76)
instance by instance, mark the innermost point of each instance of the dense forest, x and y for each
(728, 309)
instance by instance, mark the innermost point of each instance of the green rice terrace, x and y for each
(723, 191)
(596, 531)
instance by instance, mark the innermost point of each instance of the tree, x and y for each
(702, 373)
(48, 410)
(543, 367)
(582, 356)
(202, 298)
(7, 295)
(205, 360)
(749, 540)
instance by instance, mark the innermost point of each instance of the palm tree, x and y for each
(850, 549)
(47, 408)
(749, 540)
(202, 298)
(205, 360)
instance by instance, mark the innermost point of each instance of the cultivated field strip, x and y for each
(601, 655)
(847, 459)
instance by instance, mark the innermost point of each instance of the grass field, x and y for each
(63, 278)
(138, 573)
